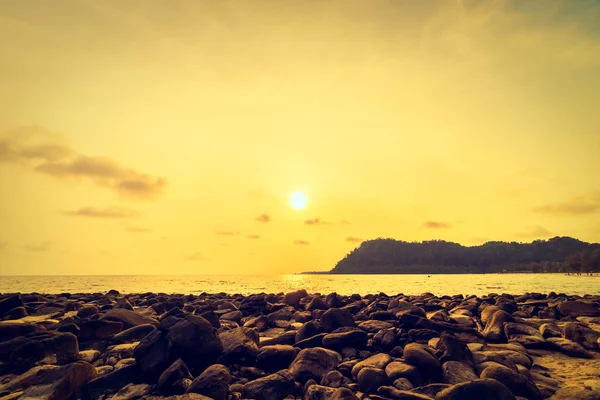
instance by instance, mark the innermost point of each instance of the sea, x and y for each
(466, 284)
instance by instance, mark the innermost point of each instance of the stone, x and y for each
(293, 298)
(194, 340)
(16, 313)
(379, 360)
(579, 308)
(454, 372)
(213, 382)
(87, 311)
(449, 348)
(568, 347)
(418, 355)
(346, 338)
(276, 386)
(398, 370)
(575, 392)
(178, 370)
(333, 379)
(132, 392)
(98, 329)
(374, 326)
(10, 330)
(111, 381)
(481, 389)
(240, 346)
(550, 330)
(129, 318)
(518, 384)
(309, 329)
(524, 334)
(317, 303)
(369, 379)
(579, 333)
(152, 355)
(494, 329)
(390, 392)
(314, 363)
(276, 357)
(10, 302)
(133, 334)
(335, 318)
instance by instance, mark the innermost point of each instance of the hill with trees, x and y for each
(390, 256)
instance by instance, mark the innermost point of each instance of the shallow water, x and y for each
(478, 284)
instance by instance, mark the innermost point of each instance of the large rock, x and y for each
(374, 326)
(195, 341)
(276, 357)
(177, 371)
(10, 302)
(314, 363)
(494, 329)
(98, 329)
(568, 347)
(240, 346)
(579, 309)
(272, 387)
(132, 392)
(213, 382)
(129, 318)
(418, 355)
(293, 298)
(10, 330)
(335, 318)
(581, 334)
(518, 384)
(455, 372)
(449, 348)
(112, 381)
(575, 393)
(398, 369)
(399, 394)
(379, 360)
(482, 389)
(133, 334)
(524, 335)
(346, 337)
(152, 355)
(370, 379)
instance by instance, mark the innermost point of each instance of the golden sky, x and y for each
(165, 137)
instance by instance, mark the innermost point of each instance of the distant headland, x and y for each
(390, 256)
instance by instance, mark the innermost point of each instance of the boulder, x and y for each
(579, 309)
(293, 298)
(518, 384)
(132, 392)
(524, 334)
(350, 337)
(390, 392)
(276, 386)
(335, 318)
(494, 329)
(276, 357)
(418, 355)
(568, 347)
(133, 334)
(112, 381)
(398, 370)
(166, 382)
(333, 379)
(314, 363)
(379, 360)
(370, 379)
(195, 341)
(9, 302)
(449, 348)
(240, 346)
(550, 330)
(454, 372)
(129, 318)
(213, 382)
(98, 329)
(581, 334)
(152, 355)
(482, 389)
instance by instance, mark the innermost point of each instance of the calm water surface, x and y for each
(478, 284)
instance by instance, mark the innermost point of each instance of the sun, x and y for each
(298, 200)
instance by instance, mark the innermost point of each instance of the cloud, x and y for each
(575, 206)
(197, 256)
(253, 237)
(227, 233)
(436, 224)
(535, 232)
(304, 242)
(137, 229)
(38, 149)
(353, 239)
(39, 247)
(315, 221)
(109, 213)
(263, 218)
(345, 222)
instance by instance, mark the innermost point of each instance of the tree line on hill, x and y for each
(390, 256)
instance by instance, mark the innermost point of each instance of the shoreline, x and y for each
(298, 345)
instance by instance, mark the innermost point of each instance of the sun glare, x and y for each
(298, 200)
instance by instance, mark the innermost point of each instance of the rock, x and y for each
(396, 394)
(450, 348)
(317, 303)
(213, 382)
(194, 340)
(10, 302)
(16, 313)
(333, 379)
(353, 337)
(178, 370)
(524, 335)
(233, 316)
(309, 329)
(431, 390)
(575, 392)
(98, 329)
(335, 318)
(240, 346)
(494, 329)
(454, 372)
(344, 394)
(379, 360)
(10, 330)
(374, 326)
(418, 355)
(276, 357)
(370, 379)
(293, 298)
(152, 355)
(261, 323)
(128, 318)
(314, 363)
(579, 308)
(111, 381)
(482, 389)
(550, 330)
(403, 384)
(398, 370)
(568, 347)
(89, 355)
(276, 386)
(517, 383)
(133, 334)
(51, 382)
(132, 392)
(581, 334)
(87, 311)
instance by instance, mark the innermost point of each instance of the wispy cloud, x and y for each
(302, 242)
(315, 221)
(263, 218)
(535, 232)
(109, 213)
(353, 239)
(38, 149)
(197, 256)
(138, 229)
(253, 236)
(227, 233)
(436, 224)
(575, 206)
(39, 247)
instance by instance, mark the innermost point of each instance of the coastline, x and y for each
(299, 345)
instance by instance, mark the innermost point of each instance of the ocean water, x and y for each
(478, 284)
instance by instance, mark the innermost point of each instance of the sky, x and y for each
(166, 137)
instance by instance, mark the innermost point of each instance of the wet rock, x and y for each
(449, 348)
(260, 323)
(333, 300)
(335, 318)
(380, 360)
(128, 318)
(240, 345)
(518, 384)
(314, 363)
(524, 335)
(454, 372)
(313, 341)
(430, 390)
(482, 389)
(370, 379)
(568, 347)
(194, 340)
(293, 298)
(274, 358)
(494, 329)
(213, 382)
(550, 330)
(276, 386)
(352, 337)
(178, 370)
(575, 392)
(579, 308)
(309, 329)
(418, 355)
(586, 337)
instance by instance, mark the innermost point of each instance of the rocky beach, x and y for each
(299, 346)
